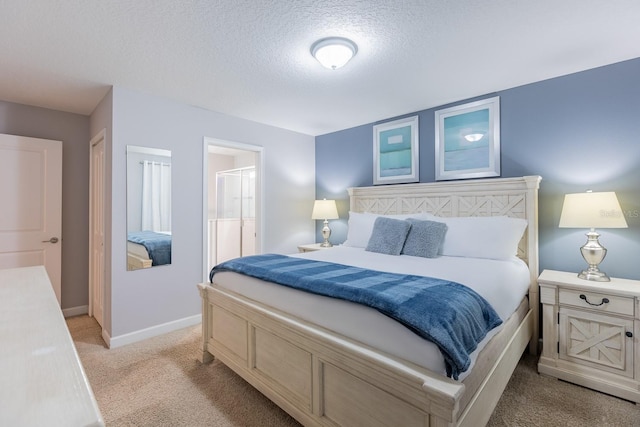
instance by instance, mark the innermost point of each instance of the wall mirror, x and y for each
(148, 207)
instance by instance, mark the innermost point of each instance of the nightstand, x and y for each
(590, 332)
(312, 247)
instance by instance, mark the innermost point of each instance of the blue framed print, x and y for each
(468, 140)
(395, 152)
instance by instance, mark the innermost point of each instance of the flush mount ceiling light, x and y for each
(333, 52)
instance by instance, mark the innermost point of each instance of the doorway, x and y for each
(96, 226)
(232, 201)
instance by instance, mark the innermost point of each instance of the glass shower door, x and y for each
(236, 213)
(248, 212)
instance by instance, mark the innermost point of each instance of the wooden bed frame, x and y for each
(135, 262)
(322, 378)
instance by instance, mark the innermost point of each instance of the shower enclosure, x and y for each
(236, 213)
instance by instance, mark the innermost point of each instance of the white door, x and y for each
(96, 224)
(31, 205)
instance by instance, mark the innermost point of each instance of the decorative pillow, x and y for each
(388, 236)
(360, 226)
(493, 237)
(425, 238)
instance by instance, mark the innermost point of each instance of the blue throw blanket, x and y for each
(158, 245)
(449, 314)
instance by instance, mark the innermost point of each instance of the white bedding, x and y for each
(502, 283)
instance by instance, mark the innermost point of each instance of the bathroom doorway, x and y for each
(232, 200)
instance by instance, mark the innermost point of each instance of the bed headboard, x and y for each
(514, 197)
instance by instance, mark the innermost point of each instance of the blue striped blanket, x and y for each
(158, 245)
(449, 314)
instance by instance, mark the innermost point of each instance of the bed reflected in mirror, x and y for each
(148, 207)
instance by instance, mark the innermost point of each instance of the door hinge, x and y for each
(558, 318)
(558, 347)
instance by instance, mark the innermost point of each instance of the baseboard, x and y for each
(75, 311)
(106, 337)
(154, 331)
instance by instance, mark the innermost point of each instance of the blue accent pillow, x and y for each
(425, 238)
(388, 236)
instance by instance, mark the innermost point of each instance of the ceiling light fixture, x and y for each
(333, 52)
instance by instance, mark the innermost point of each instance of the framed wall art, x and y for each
(395, 152)
(468, 140)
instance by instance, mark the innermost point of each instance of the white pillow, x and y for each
(360, 226)
(493, 237)
(359, 229)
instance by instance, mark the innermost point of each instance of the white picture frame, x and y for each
(396, 152)
(468, 140)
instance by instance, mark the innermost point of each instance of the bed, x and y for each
(323, 376)
(148, 248)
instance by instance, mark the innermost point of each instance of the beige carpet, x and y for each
(159, 382)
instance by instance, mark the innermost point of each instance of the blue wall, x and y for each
(579, 132)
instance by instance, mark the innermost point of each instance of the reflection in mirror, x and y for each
(148, 207)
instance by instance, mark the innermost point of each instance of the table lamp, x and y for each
(592, 210)
(326, 210)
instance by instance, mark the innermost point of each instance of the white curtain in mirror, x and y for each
(156, 196)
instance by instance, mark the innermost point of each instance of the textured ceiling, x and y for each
(250, 58)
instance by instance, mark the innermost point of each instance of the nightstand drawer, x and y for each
(597, 301)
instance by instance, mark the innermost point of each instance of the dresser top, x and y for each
(43, 382)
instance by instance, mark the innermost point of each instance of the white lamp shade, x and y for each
(324, 209)
(592, 210)
(333, 52)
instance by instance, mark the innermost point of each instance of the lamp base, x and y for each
(596, 276)
(593, 253)
(326, 233)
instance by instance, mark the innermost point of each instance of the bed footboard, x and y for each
(323, 379)
(134, 262)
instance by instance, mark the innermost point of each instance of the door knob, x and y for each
(51, 240)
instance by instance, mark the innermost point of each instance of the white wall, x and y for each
(165, 295)
(217, 162)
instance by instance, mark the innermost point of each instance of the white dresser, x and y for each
(43, 382)
(591, 332)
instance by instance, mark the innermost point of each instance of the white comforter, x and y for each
(502, 283)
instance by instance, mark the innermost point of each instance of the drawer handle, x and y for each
(629, 334)
(604, 300)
